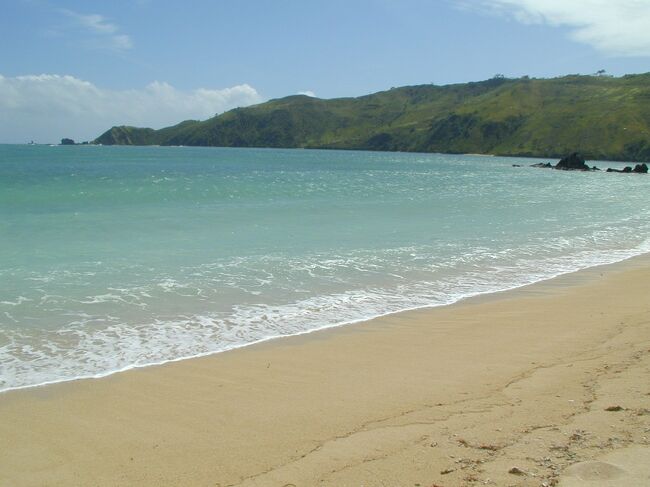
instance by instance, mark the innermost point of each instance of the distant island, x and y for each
(601, 116)
(67, 141)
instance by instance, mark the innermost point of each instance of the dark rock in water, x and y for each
(67, 142)
(638, 169)
(516, 165)
(573, 162)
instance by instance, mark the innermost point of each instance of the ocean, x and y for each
(119, 257)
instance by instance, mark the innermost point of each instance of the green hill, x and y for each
(602, 117)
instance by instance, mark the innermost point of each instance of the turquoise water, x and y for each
(118, 257)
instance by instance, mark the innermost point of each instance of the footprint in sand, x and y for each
(594, 471)
(622, 468)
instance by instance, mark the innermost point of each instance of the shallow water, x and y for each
(117, 257)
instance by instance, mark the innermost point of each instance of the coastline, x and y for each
(553, 278)
(387, 400)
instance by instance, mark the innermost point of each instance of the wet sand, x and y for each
(544, 384)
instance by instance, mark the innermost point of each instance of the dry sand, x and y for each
(461, 395)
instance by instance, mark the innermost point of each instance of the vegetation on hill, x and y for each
(600, 116)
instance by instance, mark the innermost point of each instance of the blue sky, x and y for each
(74, 68)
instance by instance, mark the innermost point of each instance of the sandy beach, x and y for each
(544, 385)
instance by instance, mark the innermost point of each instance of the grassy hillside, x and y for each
(602, 117)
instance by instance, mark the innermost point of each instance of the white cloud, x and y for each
(48, 107)
(307, 93)
(614, 27)
(106, 32)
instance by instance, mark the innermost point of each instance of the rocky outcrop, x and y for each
(638, 169)
(573, 162)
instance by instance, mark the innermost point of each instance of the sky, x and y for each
(75, 68)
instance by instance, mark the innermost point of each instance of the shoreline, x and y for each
(370, 151)
(453, 395)
(326, 327)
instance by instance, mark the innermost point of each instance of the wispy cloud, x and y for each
(307, 93)
(121, 42)
(94, 22)
(106, 33)
(48, 107)
(614, 27)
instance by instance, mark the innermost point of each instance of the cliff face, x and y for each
(603, 117)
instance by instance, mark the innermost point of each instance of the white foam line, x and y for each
(635, 253)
